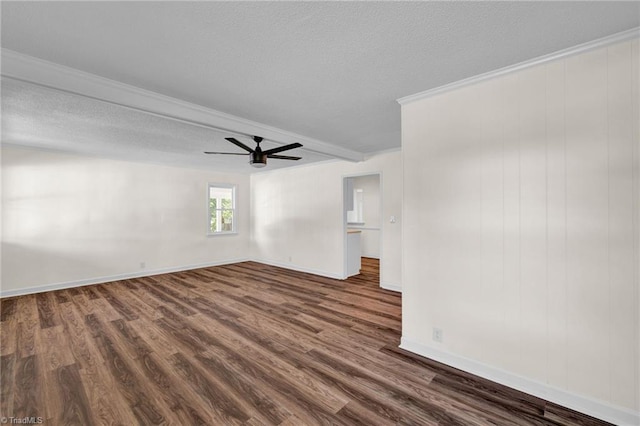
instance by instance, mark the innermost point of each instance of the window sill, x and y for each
(221, 234)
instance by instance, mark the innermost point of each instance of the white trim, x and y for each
(599, 409)
(58, 77)
(110, 278)
(147, 273)
(581, 48)
(370, 155)
(391, 287)
(298, 268)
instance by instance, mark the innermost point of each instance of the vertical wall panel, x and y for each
(621, 256)
(492, 219)
(533, 203)
(510, 353)
(556, 345)
(635, 95)
(587, 224)
(424, 222)
(465, 240)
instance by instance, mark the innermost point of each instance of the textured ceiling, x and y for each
(77, 124)
(327, 70)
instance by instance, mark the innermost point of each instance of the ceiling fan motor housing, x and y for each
(257, 159)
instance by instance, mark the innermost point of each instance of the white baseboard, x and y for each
(146, 273)
(109, 278)
(391, 287)
(298, 268)
(599, 409)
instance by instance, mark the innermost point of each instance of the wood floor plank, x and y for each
(8, 308)
(89, 291)
(117, 304)
(46, 312)
(131, 298)
(28, 327)
(245, 343)
(54, 353)
(61, 296)
(8, 335)
(74, 407)
(155, 337)
(356, 414)
(7, 373)
(103, 309)
(27, 397)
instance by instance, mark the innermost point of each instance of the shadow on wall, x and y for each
(36, 265)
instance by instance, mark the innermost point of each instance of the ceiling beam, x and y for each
(44, 73)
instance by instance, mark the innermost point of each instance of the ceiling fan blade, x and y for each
(240, 144)
(226, 153)
(282, 148)
(283, 157)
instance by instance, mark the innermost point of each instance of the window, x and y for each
(355, 216)
(222, 209)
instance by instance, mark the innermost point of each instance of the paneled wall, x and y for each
(521, 224)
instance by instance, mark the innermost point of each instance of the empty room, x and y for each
(320, 213)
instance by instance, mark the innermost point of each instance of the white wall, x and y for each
(370, 237)
(521, 224)
(297, 214)
(73, 219)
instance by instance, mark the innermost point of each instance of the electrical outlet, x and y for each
(143, 265)
(437, 334)
(290, 258)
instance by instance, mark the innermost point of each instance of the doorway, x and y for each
(362, 220)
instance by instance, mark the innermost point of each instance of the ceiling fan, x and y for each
(258, 157)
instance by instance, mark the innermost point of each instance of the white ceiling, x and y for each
(326, 70)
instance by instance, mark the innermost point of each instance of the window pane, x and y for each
(226, 203)
(227, 220)
(217, 192)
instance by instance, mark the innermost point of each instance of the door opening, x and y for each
(362, 218)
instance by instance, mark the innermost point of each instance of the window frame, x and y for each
(234, 209)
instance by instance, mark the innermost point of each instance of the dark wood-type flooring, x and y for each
(237, 344)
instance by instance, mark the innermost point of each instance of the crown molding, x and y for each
(29, 69)
(581, 48)
(370, 155)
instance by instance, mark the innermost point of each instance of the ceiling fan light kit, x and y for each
(258, 157)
